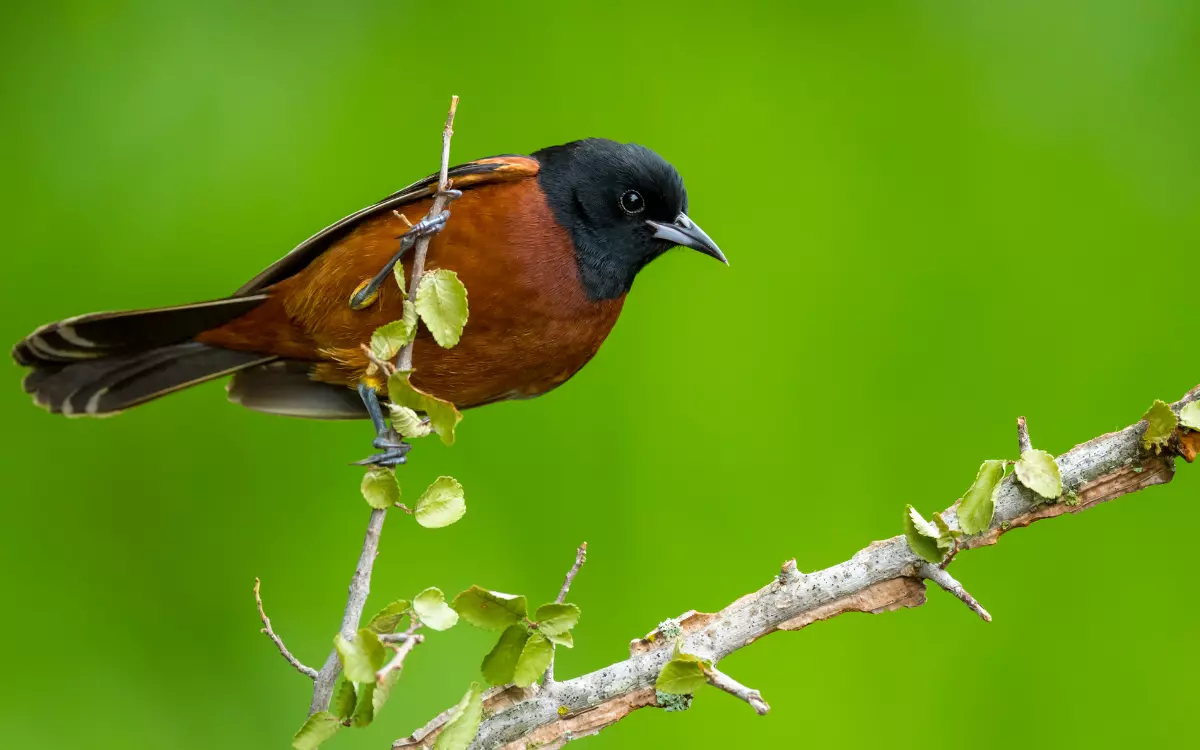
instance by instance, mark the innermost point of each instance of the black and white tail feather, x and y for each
(102, 363)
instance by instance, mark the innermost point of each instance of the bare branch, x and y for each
(950, 585)
(360, 588)
(308, 672)
(883, 576)
(719, 679)
(1023, 442)
(405, 359)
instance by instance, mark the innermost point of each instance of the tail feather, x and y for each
(112, 333)
(107, 386)
(103, 363)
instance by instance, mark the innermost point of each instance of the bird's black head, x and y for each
(623, 205)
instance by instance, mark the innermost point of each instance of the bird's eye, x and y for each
(632, 203)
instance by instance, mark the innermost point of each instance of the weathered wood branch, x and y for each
(883, 576)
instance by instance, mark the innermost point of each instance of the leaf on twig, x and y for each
(388, 340)
(1037, 471)
(555, 619)
(535, 657)
(442, 304)
(441, 504)
(383, 691)
(319, 727)
(380, 488)
(500, 665)
(1189, 415)
(1161, 424)
(683, 675)
(490, 610)
(463, 724)
(561, 639)
(946, 535)
(979, 501)
(407, 422)
(364, 710)
(443, 416)
(344, 699)
(430, 606)
(362, 657)
(922, 536)
(398, 275)
(387, 620)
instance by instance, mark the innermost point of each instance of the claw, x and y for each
(389, 459)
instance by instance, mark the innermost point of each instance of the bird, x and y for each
(547, 245)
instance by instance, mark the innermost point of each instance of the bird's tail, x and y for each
(103, 363)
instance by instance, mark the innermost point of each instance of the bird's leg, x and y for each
(393, 447)
(366, 295)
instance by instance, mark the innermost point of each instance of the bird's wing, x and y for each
(464, 176)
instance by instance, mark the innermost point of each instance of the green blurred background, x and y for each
(939, 215)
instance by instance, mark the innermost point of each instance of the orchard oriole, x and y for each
(547, 245)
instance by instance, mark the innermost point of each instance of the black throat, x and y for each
(606, 267)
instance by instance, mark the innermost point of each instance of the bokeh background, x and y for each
(940, 215)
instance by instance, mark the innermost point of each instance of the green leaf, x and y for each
(319, 727)
(344, 699)
(921, 535)
(388, 340)
(442, 304)
(946, 535)
(388, 619)
(463, 724)
(1189, 415)
(1037, 471)
(430, 605)
(362, 657)
(441, 504)
(380, 488)
(364, 710)
(490, 610)
(500, 665)
(383, 691)
(535, 657)
(408, 423)
(398, 275)
(561, 639)
(1161, 425)
(554, 619)
(681, 677)
(979, 501)
(443, 416)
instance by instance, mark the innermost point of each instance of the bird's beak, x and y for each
(683, 231)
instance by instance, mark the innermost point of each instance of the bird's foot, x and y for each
(394, 453)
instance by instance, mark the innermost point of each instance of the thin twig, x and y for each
(580, 558)
(308, 672)
(383, 365)
(951, 586)
(360, 588)
(402, 651)
(1023, 441)
(405, 360)
(719, 679)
